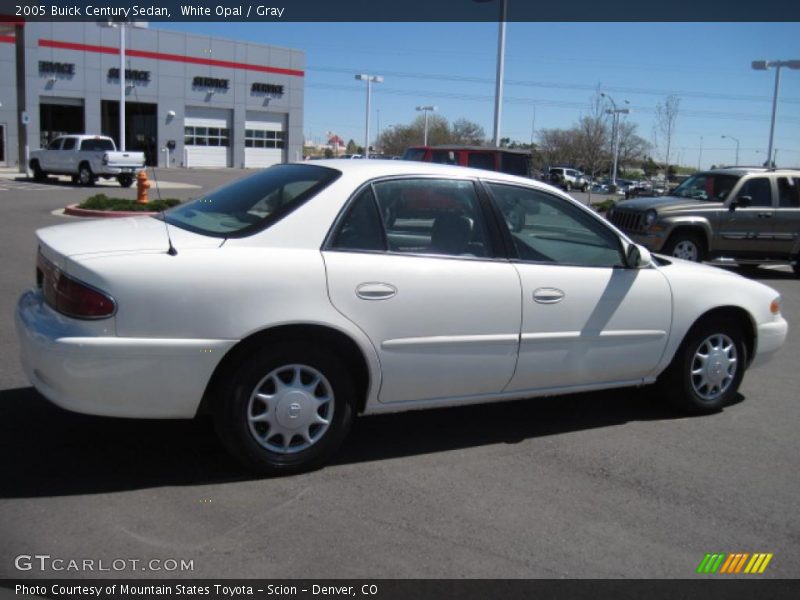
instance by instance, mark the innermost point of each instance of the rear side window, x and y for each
(789, 192)
(480, 160)
(55, 144)
(254, 203)
(361, 228)
(69, 144)
(759, 190)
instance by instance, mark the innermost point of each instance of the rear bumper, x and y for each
(771, 337)
(108, 375)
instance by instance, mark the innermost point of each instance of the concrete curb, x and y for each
(74, 211)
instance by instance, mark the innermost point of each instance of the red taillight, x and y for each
(69, 296)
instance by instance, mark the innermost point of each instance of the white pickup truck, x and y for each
(85, 158)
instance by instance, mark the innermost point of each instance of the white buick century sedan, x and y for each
(288, 302)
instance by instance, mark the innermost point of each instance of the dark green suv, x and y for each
(747, 215)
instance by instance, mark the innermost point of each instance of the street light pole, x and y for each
(615, 132)
(730, 137)
(763, 65)
(122, 84)
(369, 79)
(501, 61)
(425, 110)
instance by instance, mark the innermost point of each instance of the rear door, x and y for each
(441, 311)
(786, 222)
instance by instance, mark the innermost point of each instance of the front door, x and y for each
(586, 318)
(422, 282)
(748, 230)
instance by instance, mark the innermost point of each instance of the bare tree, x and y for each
(466, 132)
(632, 147)
(666, 118)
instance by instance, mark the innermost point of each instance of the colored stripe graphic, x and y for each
(722, 563)
(164, 56)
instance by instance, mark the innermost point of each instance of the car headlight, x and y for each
(650, 217)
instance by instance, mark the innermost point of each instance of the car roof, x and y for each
(742, 170)
(371, 168)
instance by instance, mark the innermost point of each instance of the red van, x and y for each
(505, 160)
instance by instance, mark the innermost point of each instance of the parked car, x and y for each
(745, 215)
(85, 158)
(284, 305)
(568, 179)
(504, 160)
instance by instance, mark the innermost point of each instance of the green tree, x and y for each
(352, 147)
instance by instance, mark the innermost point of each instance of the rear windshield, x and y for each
(254, 203)
(414, 154)
(99, 145)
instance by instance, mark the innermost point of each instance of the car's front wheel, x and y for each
(286, 409)
(686, 246)
(707, 368)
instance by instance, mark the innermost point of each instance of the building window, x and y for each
(206, 136)
(259, 138)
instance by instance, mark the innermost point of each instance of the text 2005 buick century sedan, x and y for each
(292, 300)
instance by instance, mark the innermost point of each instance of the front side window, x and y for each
(55, 144)
(253, 203)
(548, 229)
(759, 190)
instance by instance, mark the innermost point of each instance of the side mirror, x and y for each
(740, 202)
(637, 257)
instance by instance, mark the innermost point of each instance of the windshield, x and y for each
(254, 203)
(414, 154)
(707, 186)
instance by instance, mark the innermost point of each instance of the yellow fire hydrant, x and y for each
(142, 185)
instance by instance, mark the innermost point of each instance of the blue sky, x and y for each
(553, 67)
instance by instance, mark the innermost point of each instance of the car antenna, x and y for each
(171, 250)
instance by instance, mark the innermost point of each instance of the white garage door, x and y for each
(264, 140)
(207, 137)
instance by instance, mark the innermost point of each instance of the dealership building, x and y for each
(190, 100)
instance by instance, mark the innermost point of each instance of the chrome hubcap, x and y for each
(290, 409)
(714, 366)
(687, 250)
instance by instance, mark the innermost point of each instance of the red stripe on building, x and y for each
(7, 39)
(173, 57)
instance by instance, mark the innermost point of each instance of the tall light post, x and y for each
(426, 110)
(369, 79)
(763, 65)
(616, 112)
(501, 61)
(730, 137)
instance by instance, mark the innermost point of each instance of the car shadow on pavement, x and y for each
(49, 452)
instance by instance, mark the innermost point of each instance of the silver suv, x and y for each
(748, 215)
(568, 179)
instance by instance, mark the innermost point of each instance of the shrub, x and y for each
(103, 202)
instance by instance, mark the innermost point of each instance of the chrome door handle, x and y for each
(548, 295)
(375, 291)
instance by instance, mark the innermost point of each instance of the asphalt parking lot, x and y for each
(609, 484)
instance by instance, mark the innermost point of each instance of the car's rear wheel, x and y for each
(687, 246)
(286, 409)
(707, 369)
(125, 180)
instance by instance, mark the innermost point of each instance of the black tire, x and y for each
(679, 244)
(38, 174)
(125, 180)
(567, 186)
(584, 188)
(685, 390)
(85, 175)
(796, 266)
(232, 407)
